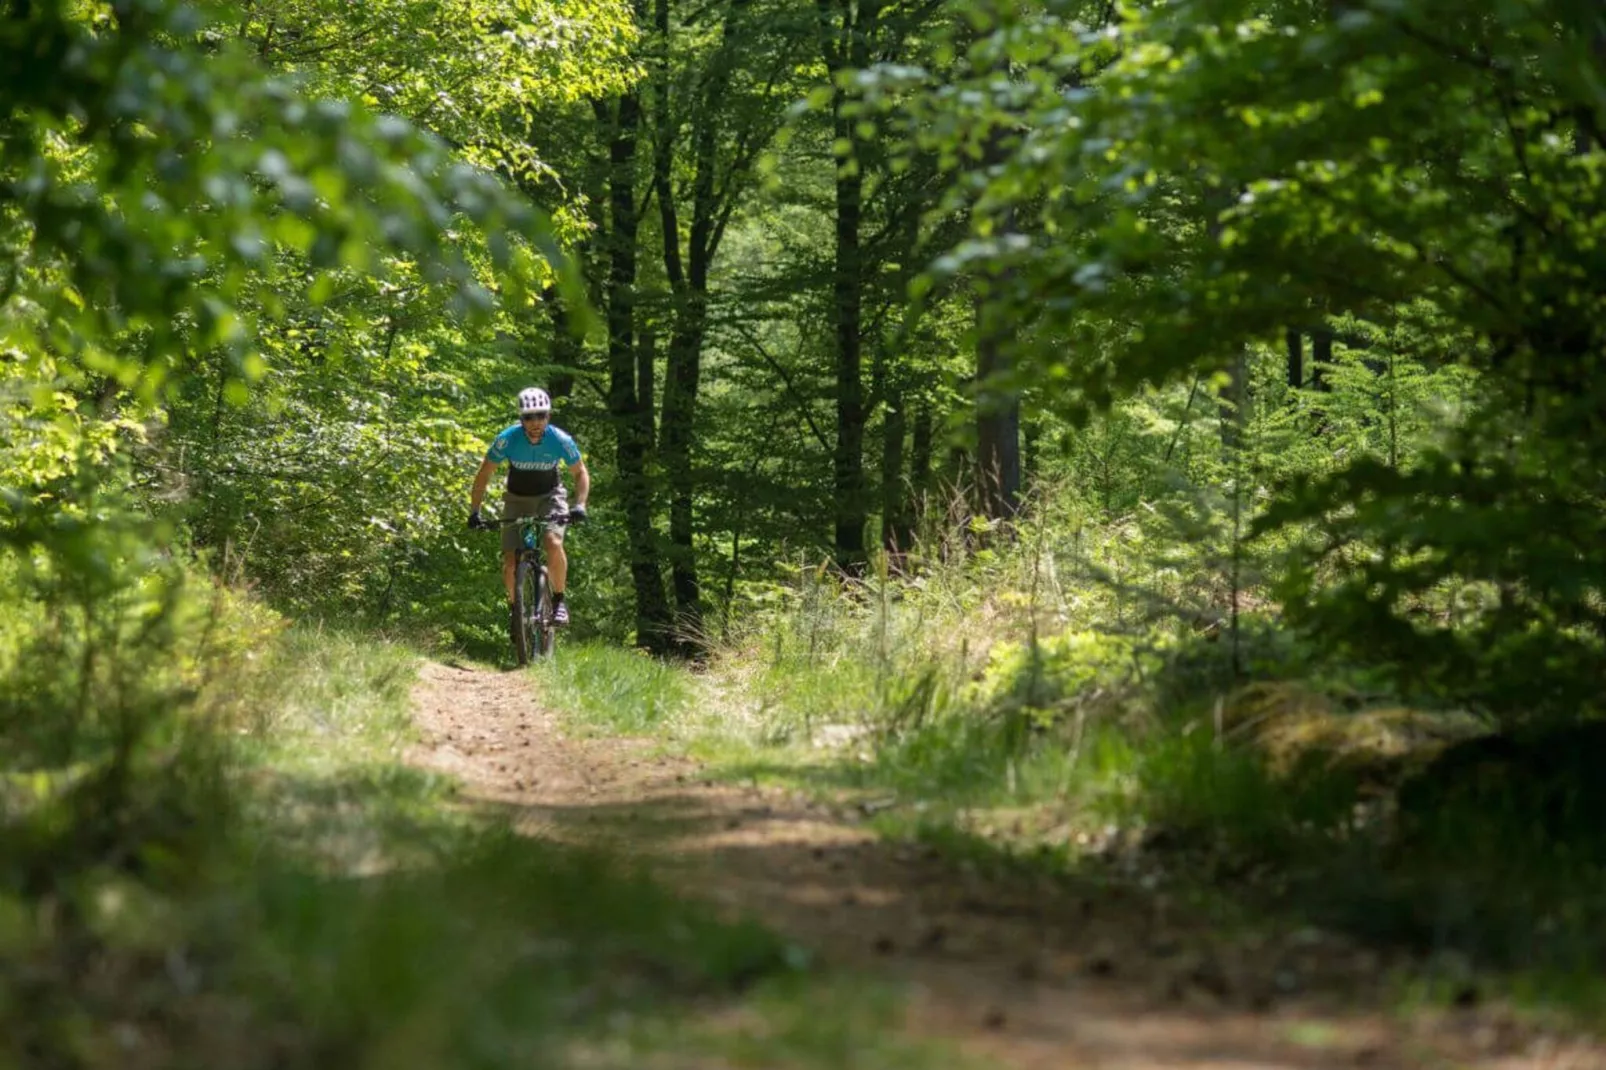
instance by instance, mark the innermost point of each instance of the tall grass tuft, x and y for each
(602, 687)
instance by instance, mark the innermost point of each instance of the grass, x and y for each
(1252, 841)
(851, 1024)
(1267, 811)
(346, 912)
(601, 687)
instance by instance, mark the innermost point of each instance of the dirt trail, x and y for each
(1025, 975)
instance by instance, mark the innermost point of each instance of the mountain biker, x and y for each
(534, 451)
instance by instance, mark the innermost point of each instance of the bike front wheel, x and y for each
(528, 584)
(545, 632)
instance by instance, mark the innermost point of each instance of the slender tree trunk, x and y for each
(847, 461)
(997, 422)
(895, 531)
(997, 399)
(846, 46)
(1296, 358)
(632, 421)
(1235, 401)
(679, 428)
(646, 376)
(689, 281)
(919, 466)
(1321, 357)
(566, 348)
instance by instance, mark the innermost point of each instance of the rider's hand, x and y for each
(474, 521)
(577, 514)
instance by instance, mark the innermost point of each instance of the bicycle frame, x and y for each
(531, 628)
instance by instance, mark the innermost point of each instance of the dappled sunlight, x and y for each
(1029, 968)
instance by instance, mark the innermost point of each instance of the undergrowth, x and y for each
(1018, 697)
(241, 871)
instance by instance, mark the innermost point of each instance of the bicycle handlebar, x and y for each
(491, 523)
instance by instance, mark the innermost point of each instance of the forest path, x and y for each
(1022, 973)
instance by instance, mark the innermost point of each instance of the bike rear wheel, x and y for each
(528, 583)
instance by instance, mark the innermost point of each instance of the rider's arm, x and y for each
(582, 483)
(481, 481)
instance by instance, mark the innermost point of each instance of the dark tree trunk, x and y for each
(846, 46)
(997, 399)
(895, 528)
(688, 281)
(997, 422)
(646, 377)
(1234, 401)
(1296, 358)
(1321, 357)
(847, 462)
(566, 348)
(679, 435)
(919, 465)
(632, 421)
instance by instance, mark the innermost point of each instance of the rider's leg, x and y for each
(557, 562)
(513, 507)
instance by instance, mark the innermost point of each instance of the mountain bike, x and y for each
(532, 631)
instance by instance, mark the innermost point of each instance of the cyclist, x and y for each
(534, 451)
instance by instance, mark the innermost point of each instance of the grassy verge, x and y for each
(601, 687)
(1270, 808)
(341, 911)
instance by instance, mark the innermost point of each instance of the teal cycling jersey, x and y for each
(533, 466)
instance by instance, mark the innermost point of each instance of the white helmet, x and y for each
(534, 399)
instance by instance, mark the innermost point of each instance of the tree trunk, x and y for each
(919, 466)
(632, 422)
(997, 399)
(847, 47)
(566, 348)
(847, 461)
(1296, 358)
(895, 528)
(1321, 357)
(997, 423)
(646, 377)
(1234, 402)
(688, 280)
(679, 435)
